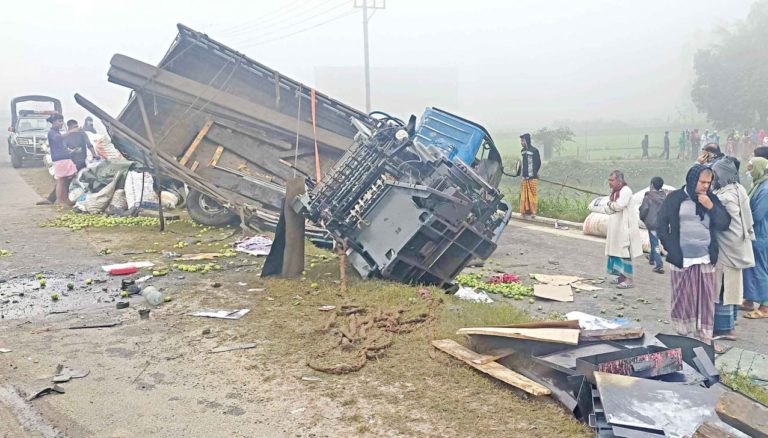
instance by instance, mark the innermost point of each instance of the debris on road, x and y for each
(96, 325)
(255, 246)
(5, 350)
(144, 314)
(469, 294)
(51, 389)
(491, 368)
(122, 305)
(127, 266)
(65, 374)
(556, 335)
(231, 347)
(553, 292)
(326, 308)
(221, 313)
(743, 414)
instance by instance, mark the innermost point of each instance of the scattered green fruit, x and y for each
(5, 253)
(39, 276)
(70, 286)
(603, 311)
(123, 294)
(314, 285)
(89, 282)
(515, 291)
(531, 301)
(42, 282)
(167, 299)
(55, 297)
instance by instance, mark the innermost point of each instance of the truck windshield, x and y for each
(33, 124)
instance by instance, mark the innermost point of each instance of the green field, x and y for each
(603, 145)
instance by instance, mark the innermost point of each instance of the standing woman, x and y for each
(688, 221)
(735, 245)
(63, 166)
(623, 242)
(756, 279)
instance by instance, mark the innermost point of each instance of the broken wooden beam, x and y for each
(555, 335)
(493, 369)
(743, 414)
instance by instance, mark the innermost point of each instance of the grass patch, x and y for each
(741, 382)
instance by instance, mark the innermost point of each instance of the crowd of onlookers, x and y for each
(713, 230)
(737, 143)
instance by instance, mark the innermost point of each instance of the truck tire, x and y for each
(204, 210)
(16, 160)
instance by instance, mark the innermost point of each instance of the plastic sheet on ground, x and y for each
(469, 294)
(255, 246)
(591, 322)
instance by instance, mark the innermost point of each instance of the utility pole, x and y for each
(364, 5)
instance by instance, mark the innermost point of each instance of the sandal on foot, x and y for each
(658, 270)
(721, 349)
(725, 338)
(746, 308)
(615, 281)
(756, 314)
(623, 285)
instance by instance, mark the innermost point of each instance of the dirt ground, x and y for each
(159, 377)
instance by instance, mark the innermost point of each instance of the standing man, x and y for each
(63, 166)
(649, 213)
(665, 152)
(77, 142)
(644, 145)
(622, 243)
(695, 144)
(531, 163)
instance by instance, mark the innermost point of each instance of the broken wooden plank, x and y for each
(558, 336)
(493, 357)
(743, 414)
(711, 430)
(573, 324)
(196, 142)
(216, 156)
(633, 332)
(562, 293)
(493, 369)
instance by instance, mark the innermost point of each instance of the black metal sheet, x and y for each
(674, 409)
(687, 345)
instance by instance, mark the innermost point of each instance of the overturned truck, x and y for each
(410, 203)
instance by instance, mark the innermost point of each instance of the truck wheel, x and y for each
(204, 210)
(16, 160)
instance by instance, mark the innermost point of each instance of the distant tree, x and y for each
(731, 76)
(551, 140)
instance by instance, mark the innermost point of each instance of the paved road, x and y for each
(546, 250)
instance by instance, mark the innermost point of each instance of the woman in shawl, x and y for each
(688, 221)
(622, 243)
(756, 279)
(735, 246)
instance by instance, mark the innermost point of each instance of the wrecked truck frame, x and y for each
(235, 131)
(233, 124)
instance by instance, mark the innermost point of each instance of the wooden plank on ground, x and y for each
(492, 368)
(216, 156)
(196, 142)
(633, 332)
(555, 335)
(194, 165)
(743, 414)
(710, 430)
(574, 324)
(553, 292)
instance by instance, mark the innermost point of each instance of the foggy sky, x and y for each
(517, 62)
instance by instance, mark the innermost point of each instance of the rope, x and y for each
(298, 125)
(314, 131)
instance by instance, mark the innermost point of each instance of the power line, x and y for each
(271, 15)
(291, 26)
(322, 23)
(278, 25)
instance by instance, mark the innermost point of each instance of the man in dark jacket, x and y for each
(649, 213)
(529, 170)
(77, 142)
